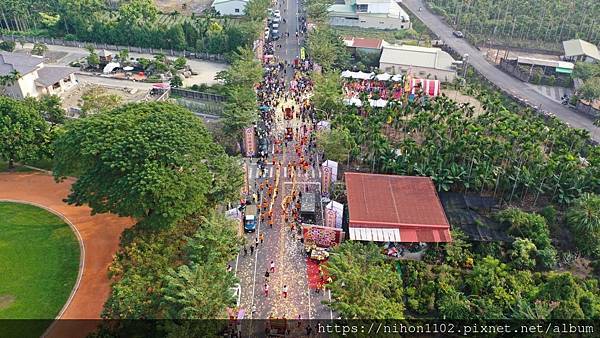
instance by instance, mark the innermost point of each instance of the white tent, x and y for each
(347, 74)
(323, 125)
(378, 103)
(363, 75)
(353, 102)
(383, 77)
(397, 78)
(110, 67)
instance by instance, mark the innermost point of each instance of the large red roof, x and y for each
(407, 203)
(355, 42)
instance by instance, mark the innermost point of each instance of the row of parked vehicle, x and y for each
(272, 30)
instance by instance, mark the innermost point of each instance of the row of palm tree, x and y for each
(498, 152)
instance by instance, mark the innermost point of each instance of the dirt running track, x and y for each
(99, 234)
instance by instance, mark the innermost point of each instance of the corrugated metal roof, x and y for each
(577, 47)
(407, 203)
(355, 42)
(543, 62)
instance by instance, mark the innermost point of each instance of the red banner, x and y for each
(250, 141)
(330, 218)
(325, 180)
(322, 236)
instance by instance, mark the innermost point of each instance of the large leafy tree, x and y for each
(584, 219)
(23, 131)
(364, 285)
(155, 162)
(200, 289)
(327, 49)
(98, 99)
(244, 70)
(256, 10)
(336, 144)
(327, 94)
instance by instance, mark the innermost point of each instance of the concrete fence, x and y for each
(197, 96)
(132, 49)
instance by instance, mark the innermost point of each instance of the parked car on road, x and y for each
(458, 34)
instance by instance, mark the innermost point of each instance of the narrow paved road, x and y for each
(278, 241)
(495, 75)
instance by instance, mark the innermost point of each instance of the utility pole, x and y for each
(465, 64)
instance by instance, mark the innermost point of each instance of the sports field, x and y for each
(39, 261)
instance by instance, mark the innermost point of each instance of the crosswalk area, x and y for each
(254, 172)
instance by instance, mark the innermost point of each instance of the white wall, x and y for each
(368, 21)
(229, 8)
(420, 72)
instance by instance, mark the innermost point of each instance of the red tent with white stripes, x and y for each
(429, 87)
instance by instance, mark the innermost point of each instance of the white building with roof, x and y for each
(421, 62)
(31, 78)
(380, 14)
(579, 50)
(230, 7)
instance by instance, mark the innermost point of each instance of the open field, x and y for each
(40, 260)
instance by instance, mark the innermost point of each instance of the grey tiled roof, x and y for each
(22, 63)
(48, 76)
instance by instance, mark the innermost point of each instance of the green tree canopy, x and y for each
(23, 131)
(336, 144)
(256, 10)
(327, 49)
(584, 219)
(245, 70)
(97, 99)
(364, 285)
(327, 94)
(155, 162)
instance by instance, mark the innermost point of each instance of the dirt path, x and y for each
(99, 234)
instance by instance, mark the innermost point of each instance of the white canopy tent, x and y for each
(383, 77)
(378, 103)
(363, 75)
(347, 74)
(397, 78)
(353, 102)
(110, 67)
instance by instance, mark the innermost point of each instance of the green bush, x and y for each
(8, 46)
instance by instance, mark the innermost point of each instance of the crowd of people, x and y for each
(386, 90)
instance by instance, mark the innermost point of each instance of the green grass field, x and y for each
(39, 261)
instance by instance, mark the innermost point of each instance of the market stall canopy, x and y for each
(347, 74)
(353, 102)
(383, 77)
(161, 86)
(128, 68)
(397, 78)
(378, 103)
(323, 125)
(393, 208)
(110, 67)
(363, 75)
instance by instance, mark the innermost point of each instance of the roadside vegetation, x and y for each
(131, 23)
(532, 24)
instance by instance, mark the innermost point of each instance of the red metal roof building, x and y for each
(364, 43)
(391, 208)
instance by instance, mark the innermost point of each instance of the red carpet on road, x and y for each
(312, 271)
